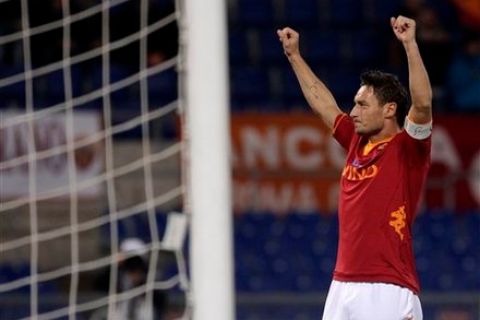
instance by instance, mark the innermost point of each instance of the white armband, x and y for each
(418, 131)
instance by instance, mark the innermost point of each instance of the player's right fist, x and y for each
(289, 39)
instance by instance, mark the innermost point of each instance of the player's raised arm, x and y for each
(317, 94)
(420, 89)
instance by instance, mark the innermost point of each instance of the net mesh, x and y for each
(90, 160)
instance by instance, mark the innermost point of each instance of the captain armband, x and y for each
(418, 131)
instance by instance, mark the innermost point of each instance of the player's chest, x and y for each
(363, 167)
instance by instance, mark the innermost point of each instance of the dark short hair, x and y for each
(388, 88)
(135, 264)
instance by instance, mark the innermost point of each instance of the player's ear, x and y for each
(389, 109)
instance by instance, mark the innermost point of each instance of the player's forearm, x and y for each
(316, 93)
(420, 89)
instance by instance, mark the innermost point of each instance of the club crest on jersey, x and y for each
(398, 223)
(354, 173)
(356, 163)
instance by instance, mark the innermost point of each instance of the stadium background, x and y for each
(285, 166)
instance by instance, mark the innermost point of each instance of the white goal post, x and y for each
(209, 177)
(105, 183)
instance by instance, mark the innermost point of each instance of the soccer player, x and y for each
(388, 156)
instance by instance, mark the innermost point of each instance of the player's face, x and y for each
(367, 113)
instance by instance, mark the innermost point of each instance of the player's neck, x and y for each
(386, 133)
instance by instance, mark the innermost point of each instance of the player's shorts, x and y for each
(371, 301)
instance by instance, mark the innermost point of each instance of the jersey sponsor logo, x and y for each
(398, 223)
(352, 173)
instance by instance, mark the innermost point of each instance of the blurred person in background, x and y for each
(469, 12)
(435, 45)
(132, 273)
(464, 74)
(434, 41)
(411, 8)
(133, 270)
(387, 163)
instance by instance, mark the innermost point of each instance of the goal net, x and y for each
(90, 161)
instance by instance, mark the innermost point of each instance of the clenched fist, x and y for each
(403, 28)
(289, 39)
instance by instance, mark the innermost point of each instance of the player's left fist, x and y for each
(403, 28)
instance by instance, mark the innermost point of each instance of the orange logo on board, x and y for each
(398, 222)
(355, 174)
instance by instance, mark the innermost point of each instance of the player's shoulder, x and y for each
(406, 140)
(415, 149)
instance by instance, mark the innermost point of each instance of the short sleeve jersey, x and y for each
(379, 197)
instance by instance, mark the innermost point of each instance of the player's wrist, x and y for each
(294, 57)
(410, 44)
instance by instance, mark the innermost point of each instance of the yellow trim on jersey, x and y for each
(338, 122)
(371, 145)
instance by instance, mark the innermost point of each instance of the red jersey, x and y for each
(379, 197)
